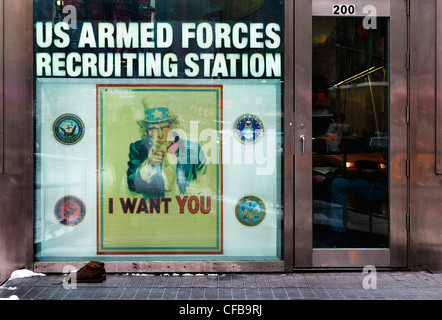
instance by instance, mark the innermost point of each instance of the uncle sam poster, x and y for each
(159, 169)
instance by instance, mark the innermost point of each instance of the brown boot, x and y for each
(92, 272)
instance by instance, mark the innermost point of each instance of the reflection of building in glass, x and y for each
(350, 129)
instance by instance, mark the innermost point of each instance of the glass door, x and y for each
(355, 138)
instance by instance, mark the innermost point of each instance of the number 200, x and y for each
(343, 9)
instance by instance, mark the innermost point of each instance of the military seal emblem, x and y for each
(250, 211)
(70, 211)
(248, 129)
(68, 129)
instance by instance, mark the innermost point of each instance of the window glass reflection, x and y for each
(350, 134)
(158, 129)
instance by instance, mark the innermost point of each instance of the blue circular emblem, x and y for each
(248, 129)
(70, 211)
(68, 129)
(250, 211)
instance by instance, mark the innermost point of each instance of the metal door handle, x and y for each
(302, 139)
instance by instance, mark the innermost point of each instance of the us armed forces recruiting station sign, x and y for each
(171, 165)
(157, 50)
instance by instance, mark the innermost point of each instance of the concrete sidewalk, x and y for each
(288, 286)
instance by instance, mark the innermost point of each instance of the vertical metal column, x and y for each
(303, 127)
(2, 2)
(16, 181)
(288, 136)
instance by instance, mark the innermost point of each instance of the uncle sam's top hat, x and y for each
(156, 110)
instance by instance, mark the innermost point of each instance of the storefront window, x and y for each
(158, 129)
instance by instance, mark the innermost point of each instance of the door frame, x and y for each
(299, 123)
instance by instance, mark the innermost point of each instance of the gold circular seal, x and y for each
(250, 211)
